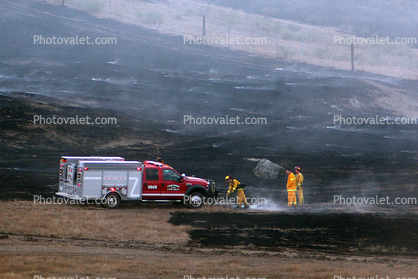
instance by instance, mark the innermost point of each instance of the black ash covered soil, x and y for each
(339, 233)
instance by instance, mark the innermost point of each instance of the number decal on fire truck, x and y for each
(152, 187)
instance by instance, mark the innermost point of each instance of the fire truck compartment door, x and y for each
(135, 185)
(92, 185)
(71, 173)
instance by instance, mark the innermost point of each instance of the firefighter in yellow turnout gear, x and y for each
(234, 184)
(291, 188)
(299, 186)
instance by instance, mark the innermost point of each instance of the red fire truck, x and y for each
(112, 180)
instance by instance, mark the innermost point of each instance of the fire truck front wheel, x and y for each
(195, 200)
(112, 201)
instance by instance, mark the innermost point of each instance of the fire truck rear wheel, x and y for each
(112, 201)
(195, 200)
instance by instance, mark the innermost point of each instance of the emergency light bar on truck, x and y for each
(113, 180)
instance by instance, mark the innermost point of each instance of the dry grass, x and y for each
(286, 39)
(171, 265)
(144, 224)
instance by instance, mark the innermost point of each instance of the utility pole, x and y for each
(204, 27)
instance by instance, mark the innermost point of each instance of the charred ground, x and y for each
(337, 233)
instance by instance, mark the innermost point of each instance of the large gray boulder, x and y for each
(266, 169)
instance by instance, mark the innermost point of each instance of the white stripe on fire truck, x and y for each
(163, 195)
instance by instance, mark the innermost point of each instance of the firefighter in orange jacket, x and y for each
(234, 184)
(299, 184)
(291, 188)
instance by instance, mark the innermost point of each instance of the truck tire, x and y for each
(112, 201)
(195, 200)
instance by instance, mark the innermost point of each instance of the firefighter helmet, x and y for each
(227, 178)
(297, 168)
